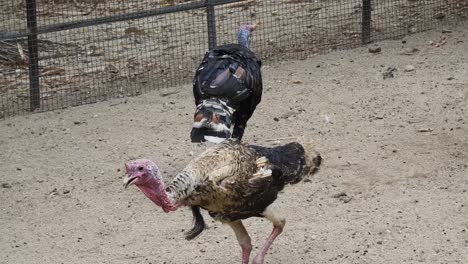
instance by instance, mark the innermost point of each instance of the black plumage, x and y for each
(227, 88)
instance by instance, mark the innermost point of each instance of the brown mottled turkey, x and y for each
(232, 181)
(227, 88)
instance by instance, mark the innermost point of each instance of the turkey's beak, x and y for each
(127, 181)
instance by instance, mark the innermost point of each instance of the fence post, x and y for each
(366, 21)
(35, 100)
(211, 22)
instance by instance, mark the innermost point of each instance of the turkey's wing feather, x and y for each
(251, 196)
(290, 159)
(231, 72)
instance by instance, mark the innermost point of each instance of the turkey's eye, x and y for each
(140, 168)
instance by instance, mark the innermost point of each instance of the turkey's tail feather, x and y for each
(309, 162)
(212, 121)
(312, 157)
(294, 160)
(198, 226)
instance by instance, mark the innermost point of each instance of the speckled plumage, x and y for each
(221, 180)
(232, 181)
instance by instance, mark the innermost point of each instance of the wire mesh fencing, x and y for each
(60, 53)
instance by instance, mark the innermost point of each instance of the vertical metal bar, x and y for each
(211, 22)
(34, 92)
(366, 21)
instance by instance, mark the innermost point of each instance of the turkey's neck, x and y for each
(155, 190)
(182, 186)
(244, 38)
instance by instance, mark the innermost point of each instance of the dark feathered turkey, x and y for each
(227, 88)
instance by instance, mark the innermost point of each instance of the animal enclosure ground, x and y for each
(393, 187)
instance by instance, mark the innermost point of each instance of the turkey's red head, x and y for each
(146, 176)
(249, 27)
(140, 172)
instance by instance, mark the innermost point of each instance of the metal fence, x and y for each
(60, 53)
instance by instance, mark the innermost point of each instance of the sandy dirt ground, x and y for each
(393, 187)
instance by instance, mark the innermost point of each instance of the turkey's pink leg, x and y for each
(278, 225)
(244, 240)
